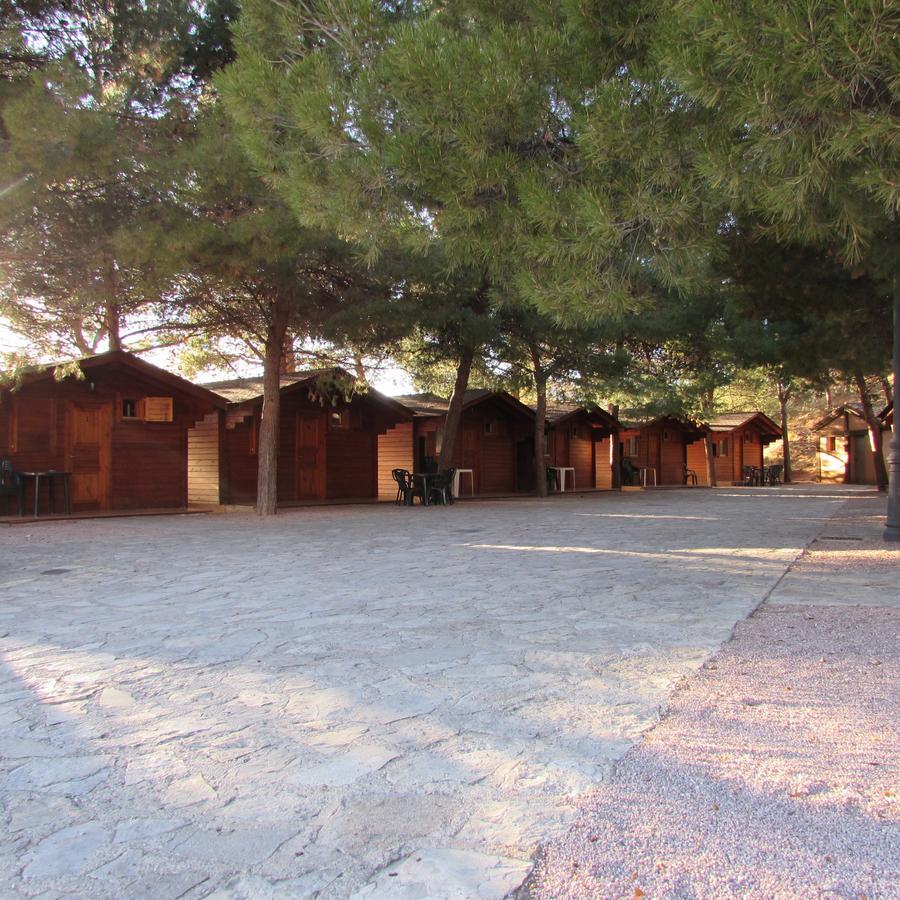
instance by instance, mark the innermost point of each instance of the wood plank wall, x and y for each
(581, 456)
(149, 466)
(603, 464)
(672, 456)
(696, 460)
(351, 455)
(395, 451)
(203, 461)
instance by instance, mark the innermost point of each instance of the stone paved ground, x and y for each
(353, 701)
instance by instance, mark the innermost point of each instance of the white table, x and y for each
(644, 470)
(561, 476)
(456, 474)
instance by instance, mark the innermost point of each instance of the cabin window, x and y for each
(748, 437)
(158, 409)
(573, 431)
(665, 435)
(830, 444)
(488, 427)
(634, 446)
(129, 409)
(723, 447)
(339, 419)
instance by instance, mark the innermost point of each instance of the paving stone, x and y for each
(69, 851)
(343, 769)
(239, 848)
(288, 705)
(72, 775)
(451, 874)
(144, 829)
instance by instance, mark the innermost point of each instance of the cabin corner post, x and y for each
(892, 525)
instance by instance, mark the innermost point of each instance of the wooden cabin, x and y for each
(843, 452)
(661, 446)
(496, 440)
(328, 443)
(738, 440)
(119, 428)
(583, 439)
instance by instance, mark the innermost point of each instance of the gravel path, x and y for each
(775, 772)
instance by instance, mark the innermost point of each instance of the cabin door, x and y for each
(310, 458)
(863, 469)
(89, 454)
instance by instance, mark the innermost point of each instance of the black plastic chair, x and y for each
(552, 480)
(12, 485)
(775, 474)
(751, 476)
(405, 487)
(631, 474)
(690, 476)
(440, 490)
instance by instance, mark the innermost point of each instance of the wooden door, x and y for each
(89, 454)
(310, 457)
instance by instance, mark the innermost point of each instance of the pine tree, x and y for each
(88, 124)
(488, 136)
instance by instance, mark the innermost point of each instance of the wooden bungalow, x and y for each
(119, 428)
(843, 452)
(738, 440)
(495, 442)
(328, 444)
(660, 447)
(583, 439)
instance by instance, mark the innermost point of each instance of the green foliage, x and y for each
(87, 137)
(805, 100)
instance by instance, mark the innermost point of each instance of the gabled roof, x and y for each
(557, 413)
(249, 391)
(430, 405)
(852, 409)
(242, 390)
(731, 421)
(687, 425)
(121, 359)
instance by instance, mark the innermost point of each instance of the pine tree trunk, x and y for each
(111, 315)
(267, 449)
(711, 477)
(784, 394)
(289, 356)
(876, 438)
(706, 411)
(359, 369)
(892, 523)
(454, 410)
(540, 418)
